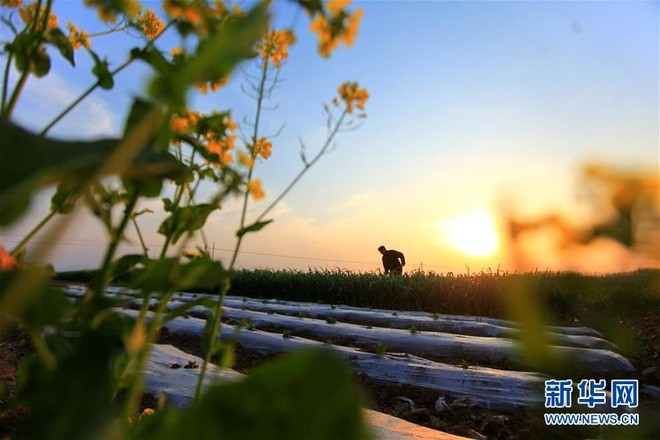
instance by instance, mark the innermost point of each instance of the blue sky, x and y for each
(471, 103)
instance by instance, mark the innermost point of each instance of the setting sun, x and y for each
(473, 233)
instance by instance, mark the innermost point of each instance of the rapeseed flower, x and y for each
(149, 24)
(78, 38)
(29, 14)
(338, 26)
(263, 148)
(274, 46)
(12, 3)
(351, 94)
(254, 188)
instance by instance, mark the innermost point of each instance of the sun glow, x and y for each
(473, 233)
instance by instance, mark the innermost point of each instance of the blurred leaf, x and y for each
(66, 196)
(311, 6)
(74, 400)
(28, 161)
(308, 395)
(57, 38)
(40, 62)
(38, 306)
(101, 72)
(154, 58)
(141, 109)
(200, 273)
(207, 334)
(156, 274)
(186, 219)
(29, 54)
(215, 57)
(148, 187)
(254, 227)
(125, 263)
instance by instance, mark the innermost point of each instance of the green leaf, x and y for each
(66, 196)
(101, 72)
(39, 62)
(156, 274)
(215, 57)
(28, 161)
(22, 48)
(139, 110)
(200, 273)
(254, 227)
(32, 305)
(155, 59)
(73, 400)
(186, 219)
(57, 38)
(307, 395)
(125, 263)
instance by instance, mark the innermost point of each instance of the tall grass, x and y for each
(564, 297)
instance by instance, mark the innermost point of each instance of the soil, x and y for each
(393, 400)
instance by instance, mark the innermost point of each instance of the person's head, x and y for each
(382, 249)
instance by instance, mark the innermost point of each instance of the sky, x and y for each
(474, 108)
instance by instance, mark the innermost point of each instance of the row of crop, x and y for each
(562, 296)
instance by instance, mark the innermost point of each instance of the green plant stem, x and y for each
(217, 310)
(103, 276)
(135, 384)
(137, 229)
(109, 31)
(19, 247)
(5, 82)
(9, 109)
(260, 97)
(307, 166)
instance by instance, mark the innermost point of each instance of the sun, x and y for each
(472, 233)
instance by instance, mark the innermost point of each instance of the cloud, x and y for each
(356, 200)
(43, 99)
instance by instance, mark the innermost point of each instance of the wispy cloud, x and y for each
(352, 202)
(43, 99)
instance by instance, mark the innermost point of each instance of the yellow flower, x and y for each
(352, 95)
(254, 187)
(77, 37)
(149, 24)
(336, 6)
(203, 87)
(274, 46)
(230, 124)
(12, 3)
(352, 28)
(29, 14)
(190, 254)
(263, 148)
(245, 160)
(184, 123)
(339, 26)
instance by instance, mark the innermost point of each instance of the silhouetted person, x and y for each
(393, 261)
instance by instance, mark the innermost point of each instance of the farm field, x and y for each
(434, 364)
